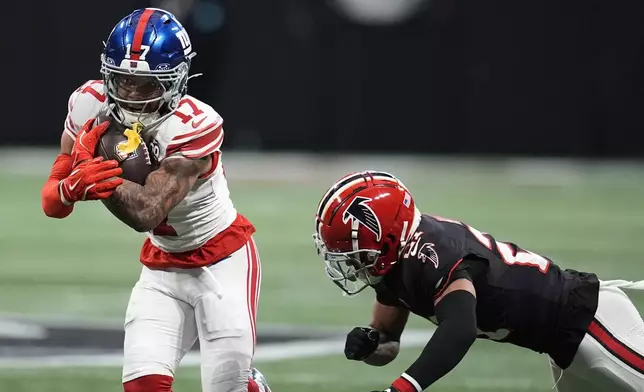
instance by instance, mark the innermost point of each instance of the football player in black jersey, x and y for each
(370, 234)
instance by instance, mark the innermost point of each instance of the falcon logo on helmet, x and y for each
(359, 211)
(362, 222)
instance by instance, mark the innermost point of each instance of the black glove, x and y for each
(361, 342)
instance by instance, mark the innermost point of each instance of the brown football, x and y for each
(124, 145)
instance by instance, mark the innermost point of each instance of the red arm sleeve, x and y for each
(52, 205)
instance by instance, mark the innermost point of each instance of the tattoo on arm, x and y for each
(386, 352)
(144, 207)
(390, 321)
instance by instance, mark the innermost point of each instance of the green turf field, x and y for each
(584, 217)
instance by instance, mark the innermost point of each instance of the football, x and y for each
(128, 148)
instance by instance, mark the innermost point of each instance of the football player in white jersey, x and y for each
(201, 271)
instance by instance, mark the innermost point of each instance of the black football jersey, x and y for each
(522, 298)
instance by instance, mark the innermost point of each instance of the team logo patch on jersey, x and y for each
(427, 253)
(360, 211)
(156, 151)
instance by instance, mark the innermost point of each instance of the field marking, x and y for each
(11, 329)
(272, 352)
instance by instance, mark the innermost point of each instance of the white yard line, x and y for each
(265, 353)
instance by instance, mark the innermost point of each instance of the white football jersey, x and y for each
(193, 131)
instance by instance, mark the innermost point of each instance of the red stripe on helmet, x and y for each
(138, 33)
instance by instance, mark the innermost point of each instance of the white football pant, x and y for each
(610, 357)
(170, 308)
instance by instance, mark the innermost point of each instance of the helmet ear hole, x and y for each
(389, 244)
(385, 248)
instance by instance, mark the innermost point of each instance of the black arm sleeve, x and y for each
(456, 332)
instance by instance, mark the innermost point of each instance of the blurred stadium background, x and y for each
(521, 118)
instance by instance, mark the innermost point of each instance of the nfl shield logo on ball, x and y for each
(122, 155)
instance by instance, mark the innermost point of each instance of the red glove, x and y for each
(86, 140)
(90, 180)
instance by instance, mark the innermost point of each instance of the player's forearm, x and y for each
(52, 204)
(390, 321)
(385, 353)
(140, 207)
(452, 339)
(144, 207)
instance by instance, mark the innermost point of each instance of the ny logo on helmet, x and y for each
(360, 211)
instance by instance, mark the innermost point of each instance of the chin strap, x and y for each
(112, 111)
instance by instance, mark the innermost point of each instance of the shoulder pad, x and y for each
(194, 130)
(84, 103)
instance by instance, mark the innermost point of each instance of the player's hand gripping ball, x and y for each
(86, 141)
(126, 146)
(92, 179)
(361, 343)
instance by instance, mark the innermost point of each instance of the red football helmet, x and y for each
(362, 223)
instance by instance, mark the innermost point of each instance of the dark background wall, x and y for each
(486, 77)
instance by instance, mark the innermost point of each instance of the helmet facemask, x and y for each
(144, 96)
(351, 271)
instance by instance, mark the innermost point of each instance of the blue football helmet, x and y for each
(145, 67)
